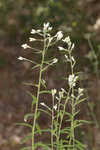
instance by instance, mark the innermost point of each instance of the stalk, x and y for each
(38, 93)
(72, 137)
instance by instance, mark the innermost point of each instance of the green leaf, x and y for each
(38, 129)
(38, 114)
(84, 121)
(80, 144)
(27, 138)
(45, 112)
(26, 148)
(33, 101)
(24, 124)
(28, 115)
(76, 113)
(31, 84)
(45, 92)
(39, 144)
(80, 101)
(68, 114)
(36, 66)
(43, 82)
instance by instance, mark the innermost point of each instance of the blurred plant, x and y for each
(93, 56)
(60, 99)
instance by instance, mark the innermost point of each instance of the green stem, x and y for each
(72, 137)
(60, 124)
(52, 122)
(38, 93)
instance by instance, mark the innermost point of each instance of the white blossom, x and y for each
(50, 39)
(33, 31)
(43, 104)
(55, 60)
(21, 58)
(72, 80)
(32, 39)
(45, 26)
(49, 28)
(55, 107)
(59, 35)
(66, 40)
(66, 56)
(72, 58)
(61, 48)
(63, 90)
(25, 46)
(53, 91)
(73, 45)
(61, 94)
(38, 31)
(80, 90)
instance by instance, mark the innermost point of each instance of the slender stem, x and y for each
(52, 122)
(38, 93)
(60, 124)
(72, 137)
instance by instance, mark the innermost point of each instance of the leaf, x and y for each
(84, 121)
(80, 101)
(24, 124)
(33, 101)
(28, 115)
(38, 129)
(45, 92)
(76, 113)
(26, 139)
(26, 148)
(80, 144)
(39, 144)
(43, 82)
(45, 112)
(68, 114)
(31, 84)
(36, 66)
(38, 114)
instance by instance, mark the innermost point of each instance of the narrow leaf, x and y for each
(28, 115)
(24, 124)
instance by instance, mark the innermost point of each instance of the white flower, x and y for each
(66, 56)
(80, 90)
(25, 46)
(61, 94)
(50, 39)
(63, 90)
(72, 80)
(43, 104)
(61, 48)
(73, 45)
(49, 28)
(33, 31)
(55, 60)
(53, 91)
(59, 35)
(66, 40)
(38, 31)
(32, 39)
(21, 58)
(55, 107)
(72, 58)
(46, 26)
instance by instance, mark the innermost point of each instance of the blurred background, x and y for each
(78, 19)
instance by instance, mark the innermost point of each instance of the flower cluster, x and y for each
(72, 80)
